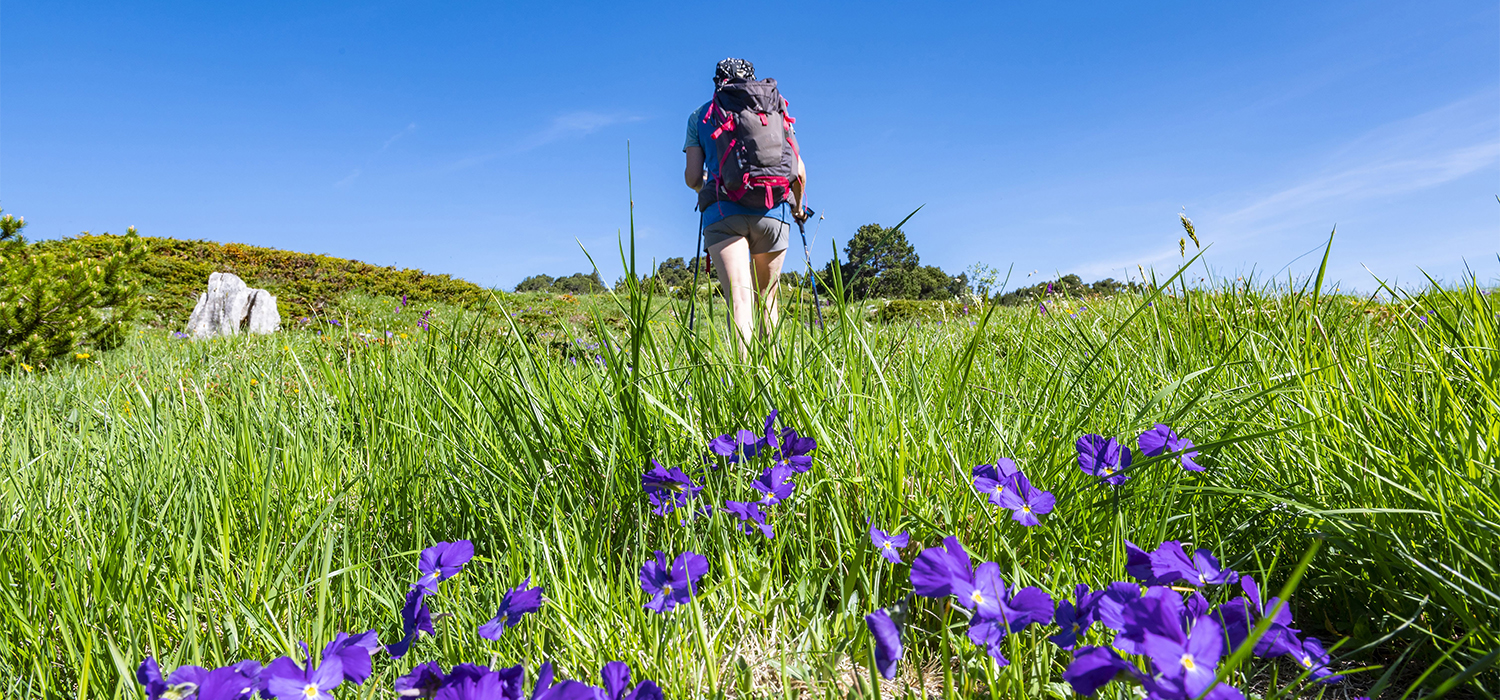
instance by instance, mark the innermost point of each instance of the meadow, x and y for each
(207, 502)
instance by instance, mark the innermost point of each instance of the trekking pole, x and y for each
(697, 258)
(807, 255)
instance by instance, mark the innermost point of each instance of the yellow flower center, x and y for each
(310, 691)
(977, 597)
(501, 620)
(666, 590)
(887, 545)
(1026, 508)
(1307, 661)
(1187, 662)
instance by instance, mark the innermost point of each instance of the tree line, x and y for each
(878, 262)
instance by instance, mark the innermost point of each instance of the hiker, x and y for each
(744, 163)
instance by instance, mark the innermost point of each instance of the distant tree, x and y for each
(1067, 286)
(880, 262)
(576, 283)
(672, 273)
(52, 304)
(535, 283)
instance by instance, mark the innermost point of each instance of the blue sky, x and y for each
(488, 140)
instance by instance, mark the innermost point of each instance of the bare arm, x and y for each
(799, 186)
(693, 175)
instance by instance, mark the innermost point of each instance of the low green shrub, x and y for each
(175, 272)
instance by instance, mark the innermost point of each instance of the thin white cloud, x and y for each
(1395, 159)
(349, 179)
(574, 124)
(409, 128)
(562, 127)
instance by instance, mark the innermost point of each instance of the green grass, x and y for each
(207, 502)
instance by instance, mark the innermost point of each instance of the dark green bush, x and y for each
(54, 301)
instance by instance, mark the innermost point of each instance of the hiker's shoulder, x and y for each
(698, 113)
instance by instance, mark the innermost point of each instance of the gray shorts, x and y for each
(765, 234)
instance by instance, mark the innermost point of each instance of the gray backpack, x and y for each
(757, 159)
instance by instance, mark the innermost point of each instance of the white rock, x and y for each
(229, 307)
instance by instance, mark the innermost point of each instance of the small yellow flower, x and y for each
(80, 356)
(25, 366)
(253, 382)
(403, 336)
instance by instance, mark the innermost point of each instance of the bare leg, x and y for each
(768, 288)
(732, 261)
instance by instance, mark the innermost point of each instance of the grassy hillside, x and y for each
(305, 284)
(207, 502)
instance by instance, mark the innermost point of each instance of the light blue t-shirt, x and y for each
(701, 135)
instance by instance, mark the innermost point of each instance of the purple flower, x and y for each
(993, 479)
(1026, 501)
(616, 677)
(985, 594)
(751, 517)
(517, 602)
(1170, 564)
(1138, 565)
(1239, 616)
(148, 674)
(793, 449)
(1029, 605)
(1072, 623)
(288, 681)
(1161, 440)
(1159, 611)
(353, 653)
(741, 444)
(1103, 458)
(887, 635)
(415, 619)
(888, 545)
(773, 483)
(668, 489)
(422, 681)
(227, 683)
(1094, 667)
(1313, 658)
(424, 321)
(938, 570)
(1113, 602)
(442, 561)
(1190, 661)
(670, 586)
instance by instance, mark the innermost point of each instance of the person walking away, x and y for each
(745, 165)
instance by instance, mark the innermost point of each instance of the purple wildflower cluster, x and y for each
(789, 454)
(998, 610)
(669, 489)
(1107, 459)
(348, 658)
(1177, 630)
(1007, 487)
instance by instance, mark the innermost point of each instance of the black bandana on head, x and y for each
(732, 68)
